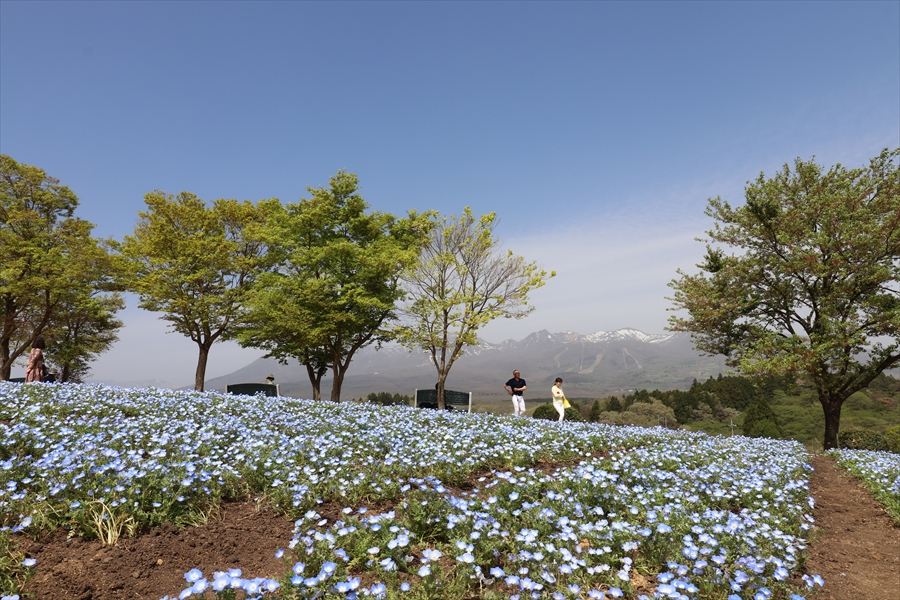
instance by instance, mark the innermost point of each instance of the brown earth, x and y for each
(856, 545)
(855, 548)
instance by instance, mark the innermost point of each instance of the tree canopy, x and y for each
(335, 281)
(195, 263)
(811, 285)
(51, 270)
(460, 283)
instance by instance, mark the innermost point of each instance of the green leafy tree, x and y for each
(813, 287)
(194, 263)
(50, 266)
(596, 411)
(459, 285)
(81, 332)
(613, 404)
(760, 421)
(336, 280)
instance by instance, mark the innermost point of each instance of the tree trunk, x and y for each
(336, 385)
(316, 380)
(442, 404)
(832, 409)
(200, 377)
(5, 363)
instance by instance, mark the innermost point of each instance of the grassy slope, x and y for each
(801, 418)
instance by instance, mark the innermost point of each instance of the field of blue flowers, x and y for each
(432, 504)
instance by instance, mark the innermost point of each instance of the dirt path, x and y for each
(856, 548)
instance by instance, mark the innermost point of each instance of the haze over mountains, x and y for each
(592, 365)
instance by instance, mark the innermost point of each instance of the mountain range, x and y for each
(592, 365)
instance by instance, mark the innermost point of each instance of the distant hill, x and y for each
(592, 365)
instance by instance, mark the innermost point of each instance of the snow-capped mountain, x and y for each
(592, 365)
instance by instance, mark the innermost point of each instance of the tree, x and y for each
(813, 288)
(596, 411)
(460, 284)
(50, 266)
(336, 279)
(194, 263)
(80, 333)
(760, 421)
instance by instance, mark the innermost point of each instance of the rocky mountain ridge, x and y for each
(592, 365)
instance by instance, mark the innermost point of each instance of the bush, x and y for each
(643, 414)
(546, 411)
(388, 399)
(892, 437)
(765, 429)
(861, 439)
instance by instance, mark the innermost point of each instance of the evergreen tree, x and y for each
(760, 421)
(596, 410)
(613, 405)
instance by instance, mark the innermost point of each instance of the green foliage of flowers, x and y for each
(879, 472)
(468, 504)
(14, 571)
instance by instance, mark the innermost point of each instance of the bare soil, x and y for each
(856, 544)
(855, 548)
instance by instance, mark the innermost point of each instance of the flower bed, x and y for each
(395, 502)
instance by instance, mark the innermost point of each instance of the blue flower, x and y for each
(193, 575)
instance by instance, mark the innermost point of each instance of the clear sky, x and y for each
(596, 131)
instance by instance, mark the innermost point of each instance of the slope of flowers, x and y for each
(879, 472)
(476, 507)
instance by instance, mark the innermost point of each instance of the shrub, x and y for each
(892, 437)
(766, 429)
(861, 439)
(546, 411)
(643, 414)
(388, 399)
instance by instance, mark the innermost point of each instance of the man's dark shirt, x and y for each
(516, 383)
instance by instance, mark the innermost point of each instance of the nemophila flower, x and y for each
(424, 571)
(431, 554)
(193, 575)
(29, 562)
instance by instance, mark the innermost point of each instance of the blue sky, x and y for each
(596, 131)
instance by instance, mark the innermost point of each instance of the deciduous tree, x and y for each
(336, 281)
(194, 263)
(812, 286)
(460, 284)
(50, 266)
